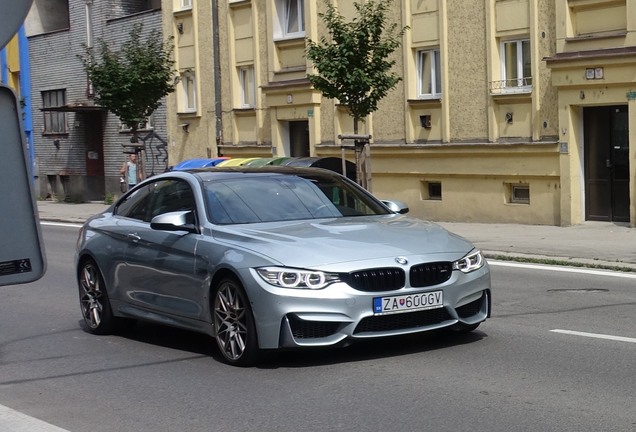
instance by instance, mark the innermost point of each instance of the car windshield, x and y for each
(263, 198)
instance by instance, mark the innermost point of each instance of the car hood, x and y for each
(328, 241)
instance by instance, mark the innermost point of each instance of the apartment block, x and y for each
(508, 110)
(79, 146)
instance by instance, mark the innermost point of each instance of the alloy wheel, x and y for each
(91, 295)
(232, 320)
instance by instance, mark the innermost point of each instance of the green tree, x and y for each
(353, 60)
(130, 82)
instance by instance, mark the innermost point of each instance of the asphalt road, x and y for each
(558, 355)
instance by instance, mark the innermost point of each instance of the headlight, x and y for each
(296, 278)
(471, 262)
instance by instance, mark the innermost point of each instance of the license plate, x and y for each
(408, 303)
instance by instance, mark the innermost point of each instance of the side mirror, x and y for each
(174, 221)
(396, 206)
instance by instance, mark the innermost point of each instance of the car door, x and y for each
(159, 274)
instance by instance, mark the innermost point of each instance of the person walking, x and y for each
(129, 173)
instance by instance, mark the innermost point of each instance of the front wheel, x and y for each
(234, 324)
(96, 310)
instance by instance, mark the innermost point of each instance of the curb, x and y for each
(561, 261)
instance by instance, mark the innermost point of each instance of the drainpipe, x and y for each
(218, 112)
(89, 40)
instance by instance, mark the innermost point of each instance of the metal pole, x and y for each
(367, 164)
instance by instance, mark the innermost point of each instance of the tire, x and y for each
(94, 303)
(234, 328)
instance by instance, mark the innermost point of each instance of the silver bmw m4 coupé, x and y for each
(274, 257)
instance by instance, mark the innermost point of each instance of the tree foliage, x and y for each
(353, 60)
(131, 82)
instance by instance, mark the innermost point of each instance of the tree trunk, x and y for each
(358, 153)
(141, 156)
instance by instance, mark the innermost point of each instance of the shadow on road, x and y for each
(197, 343)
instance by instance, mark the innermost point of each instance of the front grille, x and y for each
(423, 275)
(470, 309)
(379, 279)
(401, 321)
(302, 329)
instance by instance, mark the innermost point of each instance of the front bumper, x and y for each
(339, 314)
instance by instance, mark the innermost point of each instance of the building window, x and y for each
(147, 124)
(431, 190)
(54, 121)
(188, 92)
(246, 75)
(517, 193)
(185, 4)
(429, 77)
(515, 65)
(291, 18)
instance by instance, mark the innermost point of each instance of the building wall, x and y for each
(55, 40)
(10, 65)
(192, 134)
(474, 144)
(597, 37)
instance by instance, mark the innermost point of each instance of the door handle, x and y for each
(608, 163)
(134, 237)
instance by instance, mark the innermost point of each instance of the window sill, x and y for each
(597, 36)
(244, 111)
(297, 39)
(189, 113)
(183, 11)
(233, 3)
(127, 131)
(507, 94)
(425, 101)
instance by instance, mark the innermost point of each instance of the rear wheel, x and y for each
(94, 302)
(234, 324)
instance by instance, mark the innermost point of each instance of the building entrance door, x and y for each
(299, 138)
(606, 163)
(95, 188)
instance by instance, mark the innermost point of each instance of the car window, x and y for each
(280, 198)
(170, 196)
(136, 204)
(158, 198)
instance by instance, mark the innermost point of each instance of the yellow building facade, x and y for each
(594, 72)
(191, 116)
(12, 50)
(473, 132)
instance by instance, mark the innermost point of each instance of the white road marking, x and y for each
(14, 421)
(558, 268)
(62, 224)
(596, 335)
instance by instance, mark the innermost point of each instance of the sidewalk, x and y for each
(601, 244)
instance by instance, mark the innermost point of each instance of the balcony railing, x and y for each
(508, 86)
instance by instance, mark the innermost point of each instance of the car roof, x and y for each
(217, 173)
